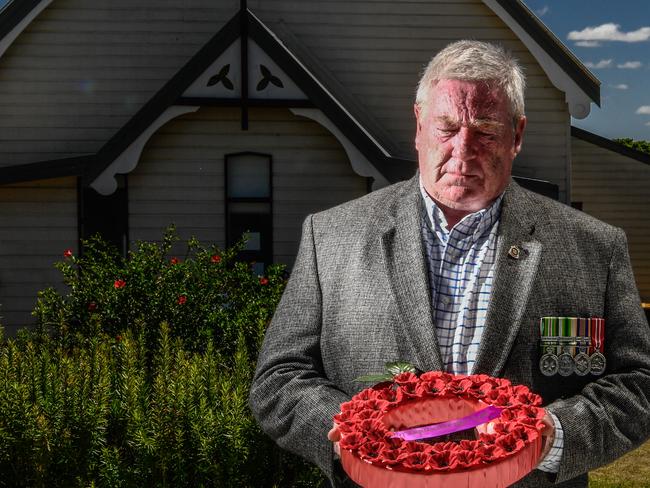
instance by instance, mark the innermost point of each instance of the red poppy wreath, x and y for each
(390, 433)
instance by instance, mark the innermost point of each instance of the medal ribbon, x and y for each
(597, 334)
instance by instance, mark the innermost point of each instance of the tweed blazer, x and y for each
(358, 297)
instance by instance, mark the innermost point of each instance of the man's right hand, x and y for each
(334, 435)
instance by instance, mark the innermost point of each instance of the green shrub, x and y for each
(124, 384)
(203, 295)
(97, 415)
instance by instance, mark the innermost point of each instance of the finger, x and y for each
(334, 434)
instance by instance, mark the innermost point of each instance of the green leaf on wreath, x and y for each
(397, 367)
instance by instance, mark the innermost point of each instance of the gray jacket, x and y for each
(358, 297)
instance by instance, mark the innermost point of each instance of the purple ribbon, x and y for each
(451, 426)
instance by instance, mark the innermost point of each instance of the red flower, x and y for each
(352, 441)
(215, 258)
(118, 338)
(443, 460)
(119, 284)
(416, 460)
(467, 458)
(509, 443)
(370, 451)
(378, 405)
(435, 375)
(173, 260)
(406, 378)
(182, 299)
(92, 306)
(390, 457)
(264, 280)
(67, 253)
(430, 388)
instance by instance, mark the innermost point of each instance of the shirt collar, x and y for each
(473, 225)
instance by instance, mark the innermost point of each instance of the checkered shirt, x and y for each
(461, 264)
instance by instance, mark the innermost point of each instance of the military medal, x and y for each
(548, 363)
(597, 362)
(566, 366)
(581, 360)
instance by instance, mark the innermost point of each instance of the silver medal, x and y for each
(548, 364)
(582, 366)
(597, 363)
(565, 364)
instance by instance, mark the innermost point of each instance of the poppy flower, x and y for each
(173, 260)
(119, 284)
(215, 258)
(182, 299)
(67, 253)
(416, 460)
(264, 280)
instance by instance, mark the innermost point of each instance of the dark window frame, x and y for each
(230, 239)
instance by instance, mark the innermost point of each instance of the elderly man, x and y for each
(452, 271)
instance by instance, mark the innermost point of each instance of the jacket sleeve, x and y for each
(291, 397)
(611, 416)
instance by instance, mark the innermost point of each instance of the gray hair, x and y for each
(476, 61)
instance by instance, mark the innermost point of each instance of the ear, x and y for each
(519, 134)
(418, 123)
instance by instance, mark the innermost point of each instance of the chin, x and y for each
(463, 198)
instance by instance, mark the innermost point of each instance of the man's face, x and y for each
(466, 143)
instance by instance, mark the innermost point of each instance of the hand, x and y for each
(548, 435)
(334, 435)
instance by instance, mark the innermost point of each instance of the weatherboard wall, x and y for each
(614, 188)
(375, 51)
(180, 176)
(82, 69)
(38, 222)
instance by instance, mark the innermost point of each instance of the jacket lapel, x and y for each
(513, 281)
(405, 265)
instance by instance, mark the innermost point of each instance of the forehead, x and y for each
(467, 99)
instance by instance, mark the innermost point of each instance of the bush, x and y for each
(205, 295)
(142, 388)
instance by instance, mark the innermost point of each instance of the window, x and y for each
(249, 206)
(107, 215)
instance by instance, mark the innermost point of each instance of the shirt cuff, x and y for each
(551, 463)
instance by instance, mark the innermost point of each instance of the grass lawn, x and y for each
(630, 471)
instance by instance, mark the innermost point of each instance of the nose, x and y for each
(463, 145)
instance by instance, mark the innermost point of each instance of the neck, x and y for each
(452, 215)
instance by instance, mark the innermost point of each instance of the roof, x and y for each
(243, 26)
(609, 144)
(553, 47)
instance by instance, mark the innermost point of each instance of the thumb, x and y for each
(334, 434)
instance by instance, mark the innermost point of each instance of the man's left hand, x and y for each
(548, 436)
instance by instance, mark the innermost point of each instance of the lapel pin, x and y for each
(514, 252)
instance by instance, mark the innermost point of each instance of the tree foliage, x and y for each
(125, 384)
(640, 145)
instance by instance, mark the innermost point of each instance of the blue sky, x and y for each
(612, 38)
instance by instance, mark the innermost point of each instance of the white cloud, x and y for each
(630, 65)
(609, 32)
(643, 110)
(588, 44)
(542, 11)
(621, 86)
(603, 63)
